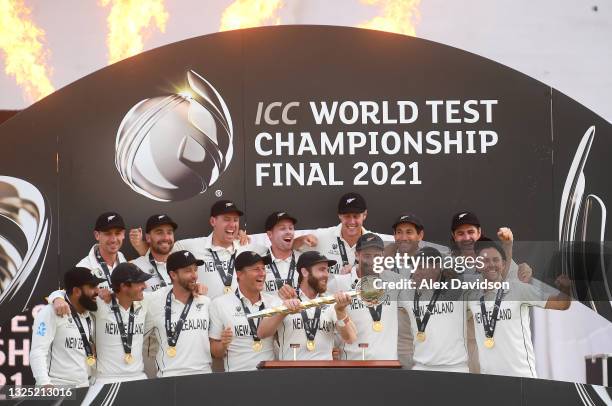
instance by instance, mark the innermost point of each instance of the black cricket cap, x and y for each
(109, 220)
(224, 207)
(157, 220)
(464, 217)
(429, 252)
(274, 218)
(351, 203)
(369, 240)
(79, 276)
(182, 259)
(310, 258)
(248, 258)
(127, 272)
(409, 218)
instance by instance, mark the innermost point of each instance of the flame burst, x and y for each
(250, 13)
(22, 44)
(398, 16)
(129, 23)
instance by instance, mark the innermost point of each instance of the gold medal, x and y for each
(377, 326)
(128, 358)
(421, 336)
(91, 360)
(257, 346)
(227, 289)
(310, 345)
(489, 342)
(171, 351)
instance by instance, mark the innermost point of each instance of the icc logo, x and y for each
(175, 147)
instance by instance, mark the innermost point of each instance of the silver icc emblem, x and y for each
(175, 147)
(25, 229)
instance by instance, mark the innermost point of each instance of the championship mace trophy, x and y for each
(365, 289)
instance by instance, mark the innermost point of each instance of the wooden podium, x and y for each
(328, 364)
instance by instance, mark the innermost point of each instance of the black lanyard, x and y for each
(103, 265)
(342, 249)
(277, 276)
(376, 313)
(162, 282)
(489, 324)
(226, 278)
(310, 325)
(173, 336)
(126, 335)
(77, 320)
(422, 322)
(252, 324)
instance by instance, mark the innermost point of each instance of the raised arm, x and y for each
(562, 300)
(346, 327)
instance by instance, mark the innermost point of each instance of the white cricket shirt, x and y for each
(227, 311)
(90, 262)
(512, 353)
(57, 356)
(193, 347)
(382, 345)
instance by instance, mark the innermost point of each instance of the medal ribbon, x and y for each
(422, 322)
(226, 278)
(162, 281)
(170, 335)
(489, 324)
(77, 320)
(277, 276)
(252, 326)
(126, 336)
(310, 325)
(376, 313)
(103, 265)
(342, 249)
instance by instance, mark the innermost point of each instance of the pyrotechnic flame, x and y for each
(397, 16)
(250, 13)
(24, 55)
(129, 23)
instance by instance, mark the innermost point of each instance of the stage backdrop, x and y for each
(290, 118)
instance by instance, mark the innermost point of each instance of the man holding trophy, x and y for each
(376, 324)
(307, 332)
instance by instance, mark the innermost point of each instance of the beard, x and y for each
(157, 248)
(186, 284)
(316, 284)
(89, 303)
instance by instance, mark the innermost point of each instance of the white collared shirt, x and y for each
(207, 274)
(283, 266)
(111, 366)
(445, 342)
(57, 356)
(291, 331)
(382, 345)
(90, 262)
(192, 347)
(512, 353)
(227, 311)
(157, 276)
(328, 245)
